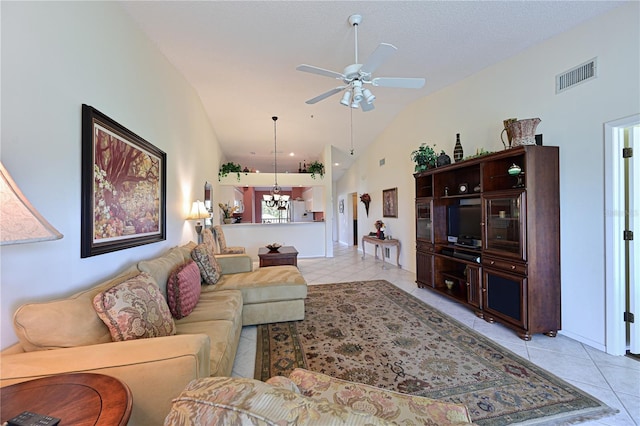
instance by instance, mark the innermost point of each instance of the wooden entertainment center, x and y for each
(510, 272)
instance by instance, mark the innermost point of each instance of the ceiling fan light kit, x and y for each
(356, 75)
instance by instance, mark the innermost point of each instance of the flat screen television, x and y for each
(464, 221)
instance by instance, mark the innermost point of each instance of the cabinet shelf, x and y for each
(454, 275)
(472, 195)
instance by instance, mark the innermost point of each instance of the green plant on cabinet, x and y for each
(425, 157)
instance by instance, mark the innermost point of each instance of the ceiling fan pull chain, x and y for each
(351, 114)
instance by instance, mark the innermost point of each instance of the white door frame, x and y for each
(615, 339)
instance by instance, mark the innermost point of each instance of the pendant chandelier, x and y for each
(275, 199)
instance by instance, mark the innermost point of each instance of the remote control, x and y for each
(27, 418)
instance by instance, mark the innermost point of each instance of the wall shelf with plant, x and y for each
(316, 168)
(229, 167)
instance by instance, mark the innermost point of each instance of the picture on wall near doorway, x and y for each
(390, 202)
(123, 187)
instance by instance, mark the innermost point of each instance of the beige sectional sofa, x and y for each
(67, 335)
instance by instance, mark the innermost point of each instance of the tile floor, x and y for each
(614, 380)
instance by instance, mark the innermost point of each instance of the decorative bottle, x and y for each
(458, 153)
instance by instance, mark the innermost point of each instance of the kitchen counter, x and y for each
(307, 237)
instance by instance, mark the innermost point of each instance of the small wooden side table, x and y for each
(378, 242)
(286, 255)
(77, 399)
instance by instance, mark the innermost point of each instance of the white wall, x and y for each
(55, 57)
(523, 87)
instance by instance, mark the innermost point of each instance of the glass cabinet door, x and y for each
(504, 225)
(424, 220)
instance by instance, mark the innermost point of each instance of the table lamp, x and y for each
(198, 211)
(20, 222)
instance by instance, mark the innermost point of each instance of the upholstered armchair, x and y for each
(222, 242)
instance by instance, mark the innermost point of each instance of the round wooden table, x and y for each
(77, 399)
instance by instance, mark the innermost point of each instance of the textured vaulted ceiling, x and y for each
(240, 56)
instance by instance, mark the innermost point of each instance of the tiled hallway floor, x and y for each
(614, 380)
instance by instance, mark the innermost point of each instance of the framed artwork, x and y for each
(390, 202)
(123, 187)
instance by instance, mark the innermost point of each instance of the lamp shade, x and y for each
(198, 211)
(20, 222)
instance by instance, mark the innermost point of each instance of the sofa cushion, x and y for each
(65, 323)
(216, 305)
(160, 267)
(284, 383)
(389, 405)
(135, 309)
(271, 284)
(224, 337)
(206, 261)
(209, 240)
(186, 250)
(224, 400)
(183, 289)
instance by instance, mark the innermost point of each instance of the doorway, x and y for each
(354, 209)
(622, 206)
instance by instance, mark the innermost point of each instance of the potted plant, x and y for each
(227, 168)
(316, 167)
(425, 157)
(227, 212)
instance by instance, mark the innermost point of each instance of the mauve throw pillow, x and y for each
(135, 309)
(183, 289)
(207, 263)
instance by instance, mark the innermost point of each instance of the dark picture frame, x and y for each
(390, 202)
(123, 187)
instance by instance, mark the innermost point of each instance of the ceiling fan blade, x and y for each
(326, 95)
(320, 71)
(406, 83)
(381, 54)
(366, 107)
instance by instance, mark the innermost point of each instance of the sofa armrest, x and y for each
(234, 263)
(398, 408)
(156, 370)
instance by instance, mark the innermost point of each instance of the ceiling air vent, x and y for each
(576, 75)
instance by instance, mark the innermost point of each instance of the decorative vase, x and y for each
(523, 132)
(228, 220)
(458, 153)
(507, 129)
(443, 160)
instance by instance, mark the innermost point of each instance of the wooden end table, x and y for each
(378, 242)
(286, 255)
(77, 399)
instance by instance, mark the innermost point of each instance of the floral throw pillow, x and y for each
(209, 240)
(207, 263)
(183, 289)
(135, 309)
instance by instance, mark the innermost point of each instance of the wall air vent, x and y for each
(576, 75)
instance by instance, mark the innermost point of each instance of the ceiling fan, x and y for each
(356, 76)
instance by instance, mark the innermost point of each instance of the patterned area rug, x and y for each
(372, 332)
